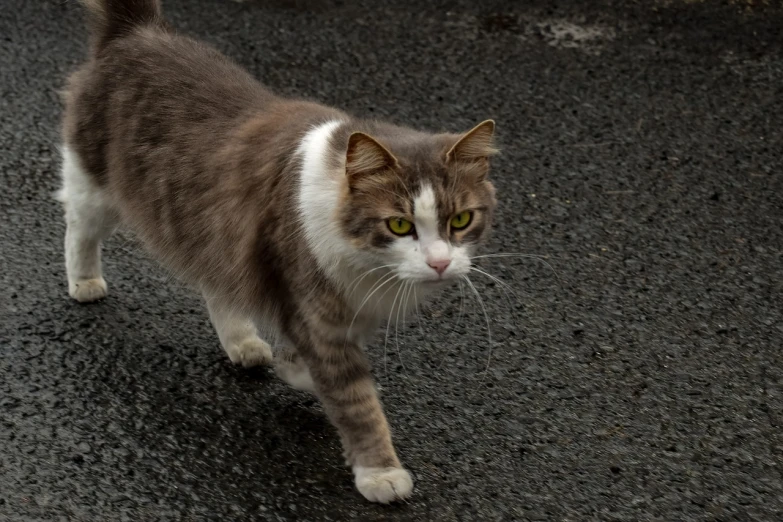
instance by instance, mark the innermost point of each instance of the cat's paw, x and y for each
(88, 290)
(295, 374)
(251, 352)
(383, 485)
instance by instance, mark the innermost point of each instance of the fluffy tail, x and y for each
(110, 19)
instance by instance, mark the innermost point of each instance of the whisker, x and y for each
(503, 286)
(486, 318)
(418, 316)
(377, 286)
(361, 277)
(459, 316)
(386, 338)
(531, 256)
(397, 325)
(461, 302)
(510, 254)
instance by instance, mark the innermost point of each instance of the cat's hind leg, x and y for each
(238, 335)
(89, 219)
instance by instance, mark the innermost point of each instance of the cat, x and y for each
(286, 214)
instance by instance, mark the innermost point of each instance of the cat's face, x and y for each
(421, 214)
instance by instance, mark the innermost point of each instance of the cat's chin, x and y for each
(436, 284)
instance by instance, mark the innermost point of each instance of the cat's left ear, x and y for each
(476, 144)
(365, 155)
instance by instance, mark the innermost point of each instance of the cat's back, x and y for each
(172, 65)
(155, 86)
(175, 66)
(194, 155)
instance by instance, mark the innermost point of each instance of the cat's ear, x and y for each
(366, 156)
(476, 144)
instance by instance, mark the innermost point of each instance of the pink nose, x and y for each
(439, 266)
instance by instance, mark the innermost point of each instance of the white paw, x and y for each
(296, 375)
(250, 352)
(383, 485)
(88, 290)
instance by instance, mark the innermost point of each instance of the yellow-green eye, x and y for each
(461, 220)
(400, 226)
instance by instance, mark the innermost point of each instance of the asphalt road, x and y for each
(636, 371)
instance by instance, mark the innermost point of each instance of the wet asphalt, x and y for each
(635, 371)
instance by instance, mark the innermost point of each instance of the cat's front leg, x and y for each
(341, 375)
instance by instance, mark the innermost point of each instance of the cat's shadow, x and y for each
(210, 422)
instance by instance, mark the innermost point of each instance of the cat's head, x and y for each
(419, 204)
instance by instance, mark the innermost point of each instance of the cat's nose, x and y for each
(440, 265)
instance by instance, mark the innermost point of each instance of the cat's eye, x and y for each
(400, 226)
(461, 220)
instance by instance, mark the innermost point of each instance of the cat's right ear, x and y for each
(366, 156)
(476, 144)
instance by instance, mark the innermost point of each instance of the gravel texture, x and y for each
(635, 369)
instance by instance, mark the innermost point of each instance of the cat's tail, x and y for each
(110, 19)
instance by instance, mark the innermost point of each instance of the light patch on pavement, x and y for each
(568, 35)
(560, 33)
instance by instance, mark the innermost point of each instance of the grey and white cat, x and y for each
(285, 213)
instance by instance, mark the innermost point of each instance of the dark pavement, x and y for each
(640, 378)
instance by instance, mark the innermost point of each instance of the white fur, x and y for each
(319, 196)
(90, 219)
(429, 244)
(296, 375)
(425, 208)
(425, 213)
(383, 485)
(430, 247)
(238, 335)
